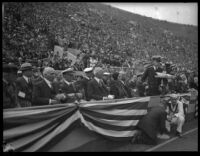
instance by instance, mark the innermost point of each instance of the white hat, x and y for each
(68, 70)
(86, 70)
(174, 96)
(106, 73)
(19, 72)
(48, 71)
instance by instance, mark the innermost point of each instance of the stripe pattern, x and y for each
(117, 120)
(40, 128)
(32, 129)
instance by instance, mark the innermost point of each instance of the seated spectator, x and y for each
(84, 82)
(44, 92)
(24, 86)
(96, 89)
(175, 114)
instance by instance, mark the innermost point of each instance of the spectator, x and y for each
(24, 86)
(9, 87)
(44, 92)
(175, 114)
(96, 89)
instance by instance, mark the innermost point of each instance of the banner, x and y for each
(40, 128)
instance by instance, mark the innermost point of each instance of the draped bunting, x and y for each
(37, 128)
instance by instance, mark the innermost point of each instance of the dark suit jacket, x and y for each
(83, 84)
(42, 93)
(67, 89)
(26, 88)
(153, 122)
(95, 91)
(153, 82)
(118, 89)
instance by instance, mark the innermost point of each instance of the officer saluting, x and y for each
(9, 87)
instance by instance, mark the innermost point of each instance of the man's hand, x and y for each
(79, 95)
(54, 102)
(60, 97)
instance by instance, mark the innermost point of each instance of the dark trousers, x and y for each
(153, 91)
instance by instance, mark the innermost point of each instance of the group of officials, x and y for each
(33, 89)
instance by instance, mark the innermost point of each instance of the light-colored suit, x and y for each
(176, 114)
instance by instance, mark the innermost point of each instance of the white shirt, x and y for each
(123, 82)
(97, 79)
(26, 78)
(180, 109)
(50, 86)
(48, 82)
(68, 83)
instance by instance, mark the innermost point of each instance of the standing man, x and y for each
(68, 86)
(122, 79)
(84, 82)
(96, 88)
(9, 87)
(150, 73)
(44, 92)
(24, 86)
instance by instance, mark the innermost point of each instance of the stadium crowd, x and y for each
(115, 62)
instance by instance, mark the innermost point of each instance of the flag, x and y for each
(65, 127)
(114, 120)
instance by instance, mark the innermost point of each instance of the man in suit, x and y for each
(117, 88)
(150, 73)
(24, 86)
(96, 89)
(9, 87)
(84, 82)
(44, 92)
(125, 85)
(69, 87)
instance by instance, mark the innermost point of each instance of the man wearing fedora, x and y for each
(24, 86)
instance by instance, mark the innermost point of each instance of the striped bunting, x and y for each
(114, 120)
(40, 128)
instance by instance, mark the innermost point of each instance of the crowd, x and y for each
(30, 31)
(114, 63)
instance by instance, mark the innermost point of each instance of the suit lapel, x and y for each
(24, 83)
